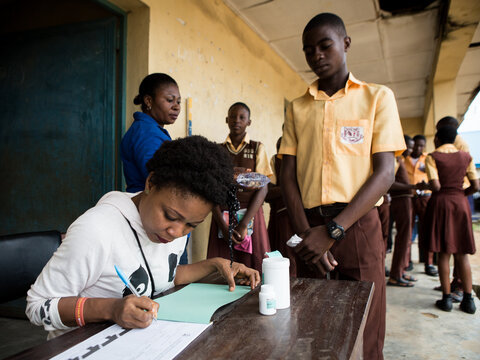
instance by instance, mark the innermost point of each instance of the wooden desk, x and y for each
(325, 320)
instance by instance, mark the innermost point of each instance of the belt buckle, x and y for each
(321, 211)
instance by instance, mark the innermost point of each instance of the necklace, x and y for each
(144, 258)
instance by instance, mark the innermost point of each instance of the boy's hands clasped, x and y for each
(314, 249)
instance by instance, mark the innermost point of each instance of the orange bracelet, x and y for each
(79, 311)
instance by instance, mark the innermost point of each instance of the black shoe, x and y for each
(468, 306)
(430, 270)
(387, 272)
(445, 304)
(409, 267)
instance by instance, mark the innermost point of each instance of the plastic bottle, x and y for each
(267, 302)
(275, 272)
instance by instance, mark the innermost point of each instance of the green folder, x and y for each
(196, 303)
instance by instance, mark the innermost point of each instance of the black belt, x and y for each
(416, 196)
(330, 210)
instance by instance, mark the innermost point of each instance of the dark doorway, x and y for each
(59, 118)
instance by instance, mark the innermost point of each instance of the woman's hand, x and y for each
(244, 275)
(133, 312)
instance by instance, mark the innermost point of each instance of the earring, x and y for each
(146, 191)
(149, 108)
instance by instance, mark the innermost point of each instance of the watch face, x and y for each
(336, 233)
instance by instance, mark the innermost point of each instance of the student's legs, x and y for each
(444, 271)
(361, 256)
(467, 305)
(464, 270)
(401, 210)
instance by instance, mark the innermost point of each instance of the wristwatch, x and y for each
(336, 232)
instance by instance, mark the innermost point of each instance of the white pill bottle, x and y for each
(266, 300)
(275, 271)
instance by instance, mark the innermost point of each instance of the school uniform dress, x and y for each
(138, 145)
(401, 212)
(416, 173)
(448, 217)
(279, 227)
(333, 139)
(250, 155)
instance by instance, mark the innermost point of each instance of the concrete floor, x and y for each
(416, 329)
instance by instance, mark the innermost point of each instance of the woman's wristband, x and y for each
(79, 311)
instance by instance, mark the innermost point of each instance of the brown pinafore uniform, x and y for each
(401, 212)
(245, 158)
(448, 216)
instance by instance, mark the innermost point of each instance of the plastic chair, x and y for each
(22, 258)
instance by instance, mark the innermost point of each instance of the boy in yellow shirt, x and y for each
(338, 147)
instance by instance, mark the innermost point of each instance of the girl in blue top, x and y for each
(160, 99)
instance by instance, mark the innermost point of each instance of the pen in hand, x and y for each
(129, 285)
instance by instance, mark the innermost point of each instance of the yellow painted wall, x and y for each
(218, 60)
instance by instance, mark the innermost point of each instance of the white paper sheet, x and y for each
(162, 340)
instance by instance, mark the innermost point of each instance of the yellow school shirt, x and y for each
(461, 144)
(262, 165)
(333, 138)
(416, 171)
(432, 171)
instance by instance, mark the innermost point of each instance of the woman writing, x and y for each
(143, 234)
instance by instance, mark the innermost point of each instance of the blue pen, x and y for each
(129, 285)
(126, 281)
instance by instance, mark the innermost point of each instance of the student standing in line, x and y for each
(159, 98)
(250, 235)
(143, 234)
(415, 165)
(460, 144)
(401, 212)
(448, 216)
(338, 150)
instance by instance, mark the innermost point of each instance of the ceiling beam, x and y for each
(459, 22)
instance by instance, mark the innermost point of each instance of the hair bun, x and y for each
(138, 100)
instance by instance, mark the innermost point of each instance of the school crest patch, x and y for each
(351, 134)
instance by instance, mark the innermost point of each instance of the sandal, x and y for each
(409, 278)
(399, 282)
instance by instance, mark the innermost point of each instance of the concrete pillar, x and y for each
(444, 99)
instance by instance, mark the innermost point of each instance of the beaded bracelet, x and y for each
(79, 311)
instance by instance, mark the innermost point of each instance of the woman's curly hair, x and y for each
(194, 165)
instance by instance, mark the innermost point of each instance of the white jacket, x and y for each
(83, 265)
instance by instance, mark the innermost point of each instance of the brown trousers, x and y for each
(401, 212)
(419, 205)
(384, 214)
(360, 256)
